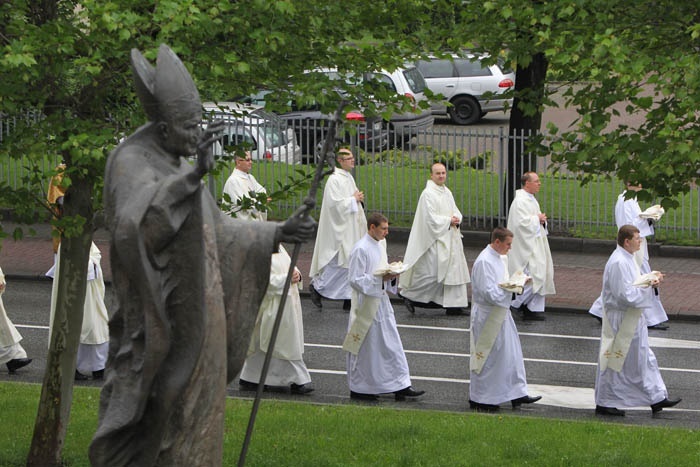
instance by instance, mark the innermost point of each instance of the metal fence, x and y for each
(393, 179)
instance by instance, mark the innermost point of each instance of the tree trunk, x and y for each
(525, 122)
(57, 391)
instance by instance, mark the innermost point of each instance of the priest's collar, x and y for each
(431, 184)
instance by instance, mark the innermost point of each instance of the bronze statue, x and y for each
(188, 279)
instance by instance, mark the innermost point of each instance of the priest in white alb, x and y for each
(376, 362)
(340, 225)
(628, 212)
(438, 273)
(12, 354)
(287, 368)
(241, 186)
(94, 335)
(628, 373)
(530, 253)
(496, 367)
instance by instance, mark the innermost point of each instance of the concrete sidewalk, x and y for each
(578, 266)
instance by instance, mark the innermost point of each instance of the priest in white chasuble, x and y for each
(340, 225)
(438, 273)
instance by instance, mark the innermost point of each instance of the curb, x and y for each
(479, 239)
(398, 302)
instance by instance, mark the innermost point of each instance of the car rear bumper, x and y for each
(494, 105)
(410, 124)
(375, 141)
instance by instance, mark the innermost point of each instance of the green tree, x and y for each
(611, 58)
(68, 61)
(644, 63)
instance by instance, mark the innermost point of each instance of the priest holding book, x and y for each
(628, 373)
(496, 367)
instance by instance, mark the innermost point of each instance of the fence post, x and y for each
(503, 166)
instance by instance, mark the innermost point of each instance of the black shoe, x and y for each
(247, 385)
(479, 407)
(407, 392)
(659, 406)
(315, 297)
(515, 310)
(300, 388)
(455, 311)
(99, 374)
(615, 412)
(658, 327)
(346, 305)
(532, 316)
(80, 377)
(524, 400)
(17, 363)
(363, 397)
(409, 305)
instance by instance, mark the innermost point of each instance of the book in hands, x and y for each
(653, 212)
(515, 282)
(397, 267)
(648, 279)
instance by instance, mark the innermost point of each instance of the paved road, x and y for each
(560, 355)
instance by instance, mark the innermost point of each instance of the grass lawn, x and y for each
(394, 186)
(305, 434)
(573, 210)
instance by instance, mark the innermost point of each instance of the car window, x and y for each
(257, 98)
(273, 134)
(382, 79)
(467, 68)
(305, 107)
(505, 69)
(436, 68)
(236, 135)
(415, 80)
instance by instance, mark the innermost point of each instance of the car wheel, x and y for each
(465, 110)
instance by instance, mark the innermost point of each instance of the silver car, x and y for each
(471, 88)
(250, 128)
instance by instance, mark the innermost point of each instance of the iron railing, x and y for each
(393, 178)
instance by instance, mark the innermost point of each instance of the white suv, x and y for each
(464, 81)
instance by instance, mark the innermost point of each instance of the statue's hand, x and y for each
(205, 156)
(297, 229)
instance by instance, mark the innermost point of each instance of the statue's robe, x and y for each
(189, 281)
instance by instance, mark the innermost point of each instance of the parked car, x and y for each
(406, 81)
(472, 88)
(251, 128)
(310, 125)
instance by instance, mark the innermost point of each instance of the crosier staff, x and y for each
(303, 210)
